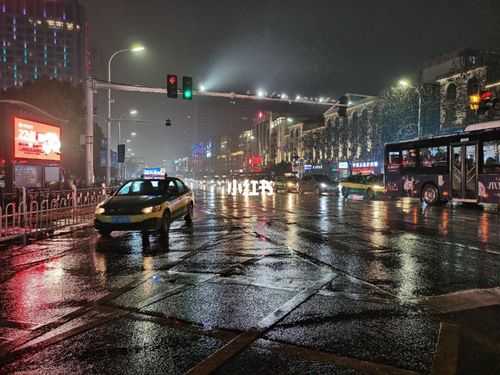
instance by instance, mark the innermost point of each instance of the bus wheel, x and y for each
(430, 194)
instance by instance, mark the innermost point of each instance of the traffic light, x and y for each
(172, 86)
(342, 106)
(474, 102)
(121, 153)
(168, 123)
(187, 88)
(487, 102)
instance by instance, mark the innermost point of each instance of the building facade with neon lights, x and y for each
(42, 39)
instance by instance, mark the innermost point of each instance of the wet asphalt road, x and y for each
(282, 284)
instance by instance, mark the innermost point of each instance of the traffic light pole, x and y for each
(94, 85)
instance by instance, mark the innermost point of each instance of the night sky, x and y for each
(315, 48)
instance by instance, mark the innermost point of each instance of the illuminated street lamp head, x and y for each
(133, 112)
(298, 97)
(261, 93)
(290, 120)
(404, 83)
(284, 96)
(202, 88)
(133, 134)
(137, 48)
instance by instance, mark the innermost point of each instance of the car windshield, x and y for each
(142, 187)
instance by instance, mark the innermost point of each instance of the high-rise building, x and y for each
(42, 39)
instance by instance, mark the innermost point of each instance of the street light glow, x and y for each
(284, 96)
(133, 134)
(298, 97)
(203, 88)
(261, 93)
(133, 112)
(404, 83)
(138, 48)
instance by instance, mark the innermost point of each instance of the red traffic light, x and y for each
(172, 86)
(486, 95)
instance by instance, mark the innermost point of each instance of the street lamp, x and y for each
(133, 49)
(406, 84)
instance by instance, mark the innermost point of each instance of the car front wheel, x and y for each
(345, 193)
(190, 213)
(165, 224)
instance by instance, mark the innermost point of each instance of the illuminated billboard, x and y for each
(36, 141)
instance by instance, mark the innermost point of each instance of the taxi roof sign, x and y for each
(154, 173)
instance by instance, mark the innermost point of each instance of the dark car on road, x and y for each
(318, 184)
(286, 184)
(145, 205)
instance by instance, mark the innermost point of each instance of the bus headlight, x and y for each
(150, 210)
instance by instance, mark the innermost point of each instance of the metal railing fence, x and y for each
(59, 209)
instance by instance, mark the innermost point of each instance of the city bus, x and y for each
(462, 167)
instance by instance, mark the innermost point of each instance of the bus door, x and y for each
(464, 171)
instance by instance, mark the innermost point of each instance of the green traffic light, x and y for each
(188, 94)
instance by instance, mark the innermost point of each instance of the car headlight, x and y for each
(150, 210)
(290, 184)
(100, 210)
(323, 185)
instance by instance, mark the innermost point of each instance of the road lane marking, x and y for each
(245, 339)
(463, 300)
(446, 357)
(15, 354)
(41, 330)
(311, 355)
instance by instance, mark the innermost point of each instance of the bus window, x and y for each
(432, 157)
(409, 158)
(394, 161)
(491, 158)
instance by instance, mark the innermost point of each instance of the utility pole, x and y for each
(89, 133)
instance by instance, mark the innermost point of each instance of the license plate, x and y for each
(120, 220)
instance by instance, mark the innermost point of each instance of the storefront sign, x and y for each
(343, 165)
(365, 164)
(36, 141)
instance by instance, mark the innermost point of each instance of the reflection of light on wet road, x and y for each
(484, 228)
(148, 264)
(444, 223)
(408, 268)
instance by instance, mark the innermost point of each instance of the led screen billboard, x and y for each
(36, 141)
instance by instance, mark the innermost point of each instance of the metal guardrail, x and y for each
(61, 209)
